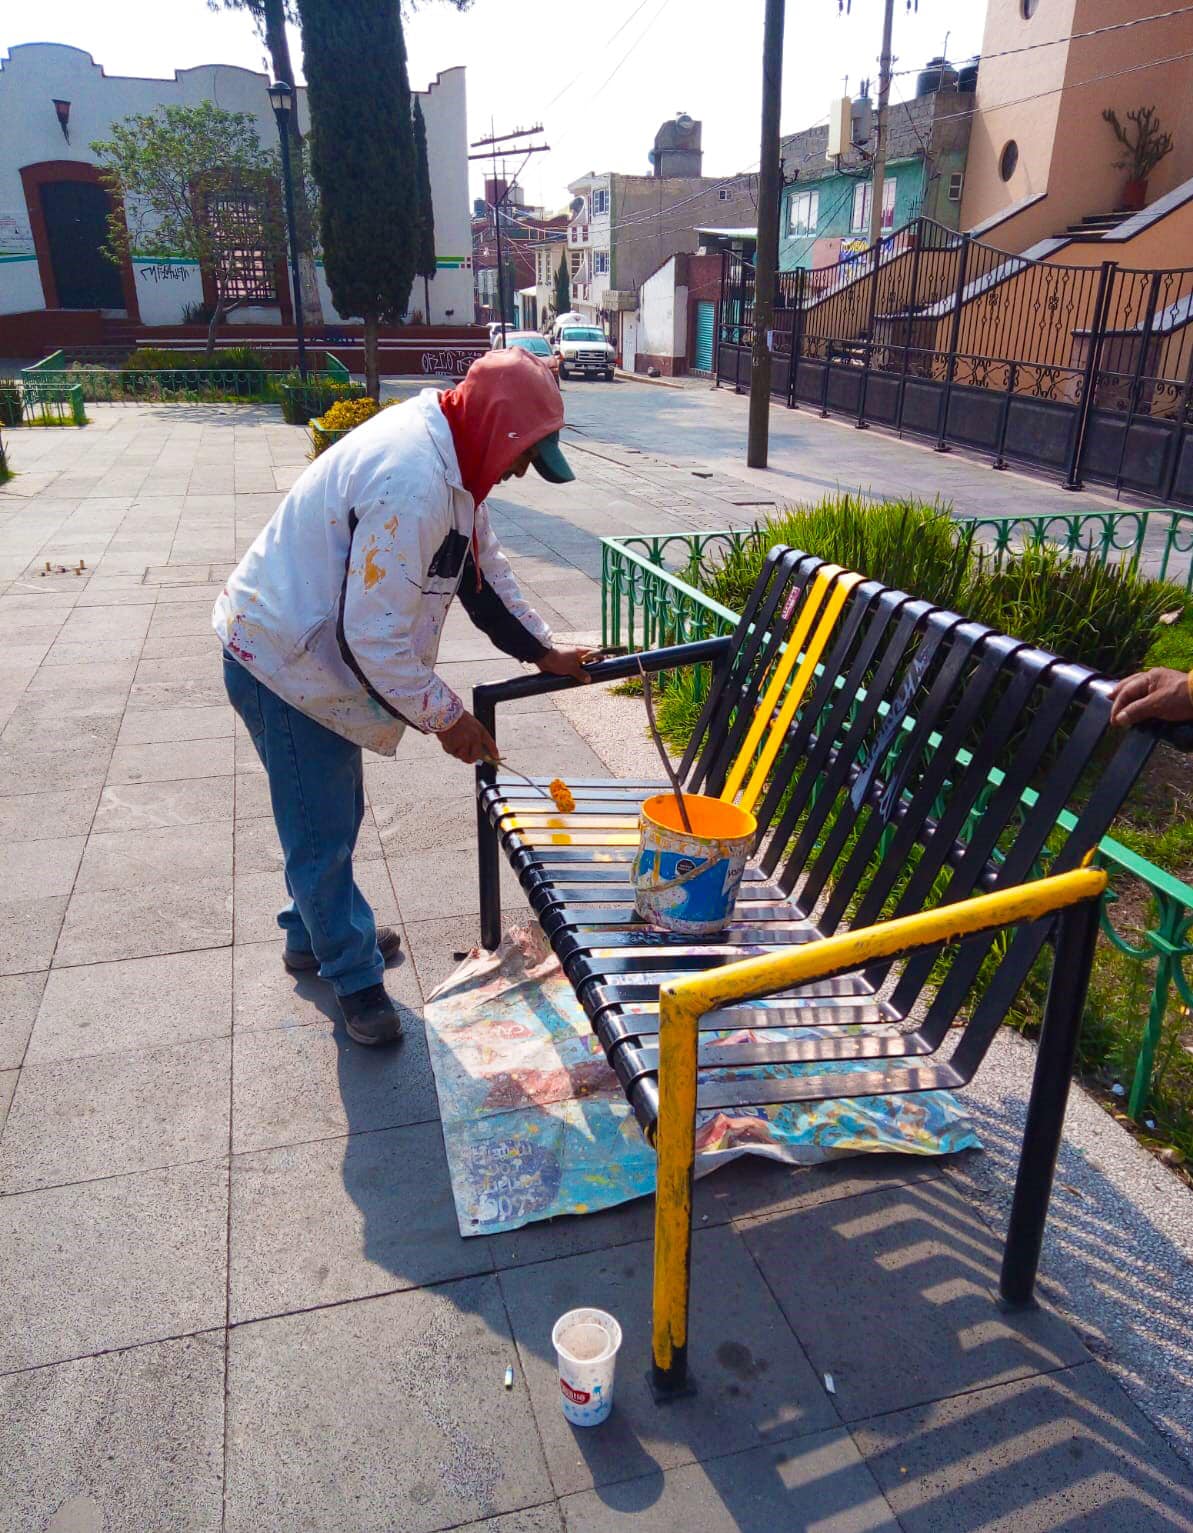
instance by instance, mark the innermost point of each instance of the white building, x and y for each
(54, 100)
(590, 243)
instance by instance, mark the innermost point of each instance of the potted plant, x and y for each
(1143, 151)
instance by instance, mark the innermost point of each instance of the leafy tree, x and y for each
(192, 181)
(270, 18)
(563, 285)
(426, 211)
(362, 156)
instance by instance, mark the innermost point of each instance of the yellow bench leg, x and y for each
(675, 1150)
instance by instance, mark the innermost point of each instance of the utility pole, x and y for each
(491, 153)
(766, 253)
(880, 136)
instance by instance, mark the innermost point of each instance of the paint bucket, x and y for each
(586, 1343)
(688, 881)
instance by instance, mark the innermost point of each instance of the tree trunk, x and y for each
(217, 316)
(426, 300)
(274, 27)
(372, 366)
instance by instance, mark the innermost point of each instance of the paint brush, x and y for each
(662, 749)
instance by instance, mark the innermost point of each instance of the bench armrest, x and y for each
(689, 999)
(621, 668)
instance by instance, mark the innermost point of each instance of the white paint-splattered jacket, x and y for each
(339, 605)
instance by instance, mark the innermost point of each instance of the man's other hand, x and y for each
(468, 741)
(1156, 694)
(567, 662)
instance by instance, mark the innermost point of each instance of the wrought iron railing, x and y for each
(647, 602)
(188, 382)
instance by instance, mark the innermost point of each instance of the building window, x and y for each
(575, 234)
(574, 259)
(956, 182)
(724, 194)
(601, 263)
(600, 203)
(1027, 8)
(863, 194)
(803, 212)
(1008, 159)
(860, 218)
(246, 269)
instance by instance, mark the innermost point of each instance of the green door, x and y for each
(706, 315)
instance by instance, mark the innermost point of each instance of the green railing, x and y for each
(1111, 536)
(48, 398)
(185, 383)
(645, 604)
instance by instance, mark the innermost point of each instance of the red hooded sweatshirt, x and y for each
(509, 400)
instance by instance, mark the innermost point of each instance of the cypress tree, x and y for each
(563, 285)
(362, 158)
(426, 212)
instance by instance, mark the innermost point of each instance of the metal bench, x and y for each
(907, 769)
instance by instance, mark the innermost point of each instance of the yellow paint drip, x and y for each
(373, 571)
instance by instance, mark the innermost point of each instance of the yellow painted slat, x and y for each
(770, 700)
(539, 821)
(844, 584)
(577, 838)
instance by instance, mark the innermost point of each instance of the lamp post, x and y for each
(281, 98)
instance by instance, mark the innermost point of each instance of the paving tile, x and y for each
(176, 724)
(20, 996)
(171, 760)
(76, 652)
(131, 1004)
(754, 1383)
(266, 994)
(184, 619)
(1064, 1450)
(179, 646)
(29, 770)
(337, 1219)
(252, 797)
(816, 1482)
(32, 870)
(312, 1082)
(258, 849)
(194, 692)
(45, 816)
(113, 1262)
(531, 1519)
(308, 1396)
(28, 934)
(127, 859)
(74, 1440)
(147, 806)
(920, 1259)
(443, 882)
(98, 676)
(433, 945)
(259, 897)
(108, 1114)
(135, 923)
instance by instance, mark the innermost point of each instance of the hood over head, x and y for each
(507, 402)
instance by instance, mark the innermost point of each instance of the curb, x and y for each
(658, 383)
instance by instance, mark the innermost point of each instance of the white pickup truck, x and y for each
(583, 349)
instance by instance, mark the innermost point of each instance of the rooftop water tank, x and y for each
(937, 74)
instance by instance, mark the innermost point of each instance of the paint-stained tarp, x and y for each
(536, 1125)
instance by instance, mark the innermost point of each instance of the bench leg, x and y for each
(488, 858)
(1055, 1054)
(675, 1150)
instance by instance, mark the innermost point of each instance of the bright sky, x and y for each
(599, 79)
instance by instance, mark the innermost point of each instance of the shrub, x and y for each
(243, 358)
(10, 402)
(913, 545)
(301, 401)
(150, 359)
(342, 417)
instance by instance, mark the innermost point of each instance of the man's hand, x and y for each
(1156, 694)
(567, 662)
(468, 741)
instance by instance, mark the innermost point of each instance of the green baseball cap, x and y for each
(550, 461)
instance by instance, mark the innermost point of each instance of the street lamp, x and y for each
(281, 98)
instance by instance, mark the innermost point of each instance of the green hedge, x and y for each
(302, 402)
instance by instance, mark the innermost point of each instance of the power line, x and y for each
(637, 41)
(610, 39)
(1069, 37)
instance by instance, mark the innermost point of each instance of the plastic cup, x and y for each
(586, 1343)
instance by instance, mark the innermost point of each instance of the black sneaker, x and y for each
(370, 1016)
(388, 940)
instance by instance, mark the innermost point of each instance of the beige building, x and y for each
(1040, 155)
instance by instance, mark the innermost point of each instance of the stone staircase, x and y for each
(1093, 226)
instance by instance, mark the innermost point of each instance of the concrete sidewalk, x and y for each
(231, 1288)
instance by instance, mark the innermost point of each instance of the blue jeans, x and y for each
(316, 787)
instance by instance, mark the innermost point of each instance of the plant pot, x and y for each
(1134, 195)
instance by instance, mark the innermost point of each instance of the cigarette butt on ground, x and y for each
(509, 1378)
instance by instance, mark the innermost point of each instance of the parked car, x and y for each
(560, 320)
(583, 349)
(531, 341)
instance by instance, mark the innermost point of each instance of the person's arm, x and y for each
(1160, 693)
(495, 604)
(381, 599)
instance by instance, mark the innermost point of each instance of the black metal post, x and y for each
(488, 853)
(1005, 416)
(282, 115)
(1076, 934)
(1072, 479)
(766, 250)
(868, 357)
(911, 307)
(954, 336)
(1184, 400)
(797, 334)
(720, 320)
(1145, 340)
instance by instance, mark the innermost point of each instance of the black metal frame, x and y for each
(1082, 372)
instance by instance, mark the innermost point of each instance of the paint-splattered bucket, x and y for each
(688, 881)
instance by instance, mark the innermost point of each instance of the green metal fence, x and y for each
(646, 602)
(189, 382)
(1156, 542)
